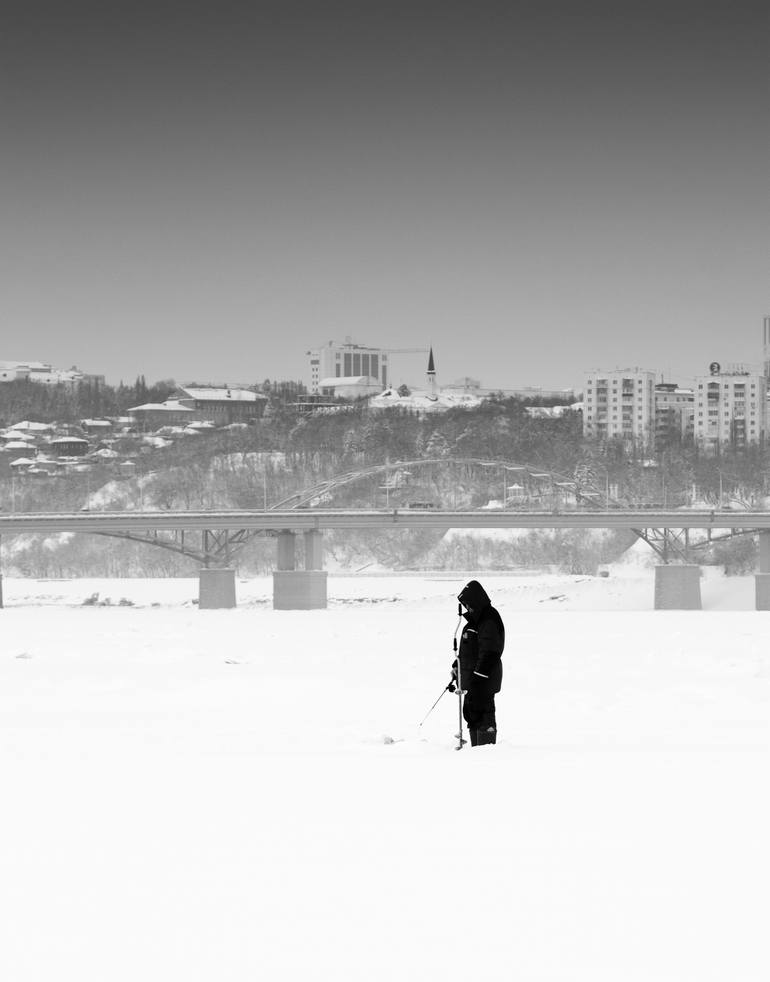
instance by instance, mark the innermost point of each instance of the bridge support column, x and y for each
(314, 549)
(762, 578)
(216, 589)
(677, 587)
(286, 543)
(299, 589)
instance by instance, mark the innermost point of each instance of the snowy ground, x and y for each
(208, 795)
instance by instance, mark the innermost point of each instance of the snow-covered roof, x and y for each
(37, 365)
(21, 462)
(221, 394)
(169, 406)
(29, 426)
(547, 412)
(330, 383)
(95, 422)
(106, 453)
(18, 445)
(67, 439)
(423, 401)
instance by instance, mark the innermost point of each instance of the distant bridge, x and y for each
(536, 498)
(105, 522)
(306, 589)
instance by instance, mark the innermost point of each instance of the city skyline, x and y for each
(535, 193)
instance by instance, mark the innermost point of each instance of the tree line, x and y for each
(22, 399)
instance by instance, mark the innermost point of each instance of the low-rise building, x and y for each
(100, 426)
(221, 404)
(69, 446)
(153, 415)
(45, 374)
(354, 387)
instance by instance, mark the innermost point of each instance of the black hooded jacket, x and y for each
(483, 638)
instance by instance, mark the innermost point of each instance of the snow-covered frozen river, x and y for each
(213, 795)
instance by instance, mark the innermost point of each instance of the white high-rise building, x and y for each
(766, 346)
(729, 408)
(347, 360)
(620, 404)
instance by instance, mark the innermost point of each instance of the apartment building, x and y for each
(674, 414)
(620, 405)
(729, 408)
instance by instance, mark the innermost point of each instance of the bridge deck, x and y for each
(302, 519)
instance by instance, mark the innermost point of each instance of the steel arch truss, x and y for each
(538, 484)
(211, 547)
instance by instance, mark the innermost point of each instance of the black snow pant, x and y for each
(479, 712)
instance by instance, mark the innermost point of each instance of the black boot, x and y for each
(474, 737)
(485, 736)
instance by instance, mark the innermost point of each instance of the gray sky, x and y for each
(205, 192)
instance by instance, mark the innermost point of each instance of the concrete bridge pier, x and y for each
(216, 589)
(677, 587)
(299, 589)
(762, 578)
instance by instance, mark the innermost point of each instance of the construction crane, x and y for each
(403, 351)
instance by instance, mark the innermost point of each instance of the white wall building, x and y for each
(36, 371)
(729, 408)
(620, 404)
(356, 387)
(347, 360)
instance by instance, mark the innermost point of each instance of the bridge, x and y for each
(303, 589)
(382, 496)
(105, 522)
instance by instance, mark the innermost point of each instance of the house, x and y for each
(153, 415)
(69, 446)
(211, 405)
(14, 445)
(29, 426)
(96, 425)
(222, 405)
(22, 464)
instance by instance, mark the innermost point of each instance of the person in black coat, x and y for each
(481, 667)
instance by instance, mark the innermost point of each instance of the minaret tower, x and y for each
(432, 393)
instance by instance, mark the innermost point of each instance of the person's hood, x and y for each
(474, 595)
